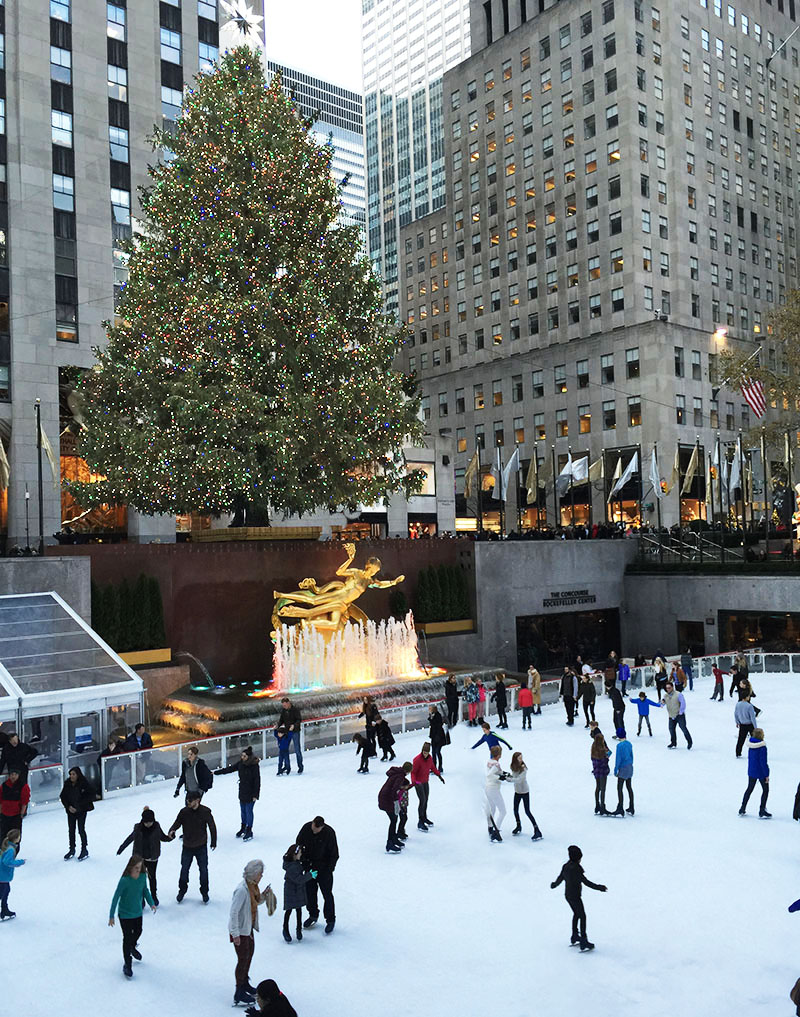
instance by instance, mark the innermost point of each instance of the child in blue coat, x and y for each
(757, 770)
(643, 704)
(623, 771)
(284, 740)
(624, 674)
(8, 862)
(489, 738)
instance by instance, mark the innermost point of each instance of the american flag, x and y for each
(753, 392)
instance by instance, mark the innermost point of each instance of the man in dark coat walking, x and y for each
(249, 788)
(320, 855)
(17, 754)
(291, 720)
(618, 704)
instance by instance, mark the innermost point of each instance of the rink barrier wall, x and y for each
(132, 771)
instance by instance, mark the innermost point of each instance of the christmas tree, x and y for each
(250, 360)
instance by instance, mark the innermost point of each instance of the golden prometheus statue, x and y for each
(331, 607)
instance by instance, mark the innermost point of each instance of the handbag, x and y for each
(270, 900)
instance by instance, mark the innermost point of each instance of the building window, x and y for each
(61, 65)
(497, 393)
(516, 388)
(607, 368)
(118, 140)
(595, 306)
(697, 408)
(680, 409)
(539, 432)
(632, 362)
(115, 22)
(461, 439)
(63, 192)
(560, 377)
(170, 46)
(609, 415)
(118, 83)
(537, 382)
(618, 299)
(562, 424)
(584, 420)
(171, 100)
(634, 411)
(59, 9)
(208, 55)
(121, 206)
(679, 367)
(582, 372)
(61, 128)
(499, 434)
(519, 430)
(697, 371)
(460, 400)
(207, 9)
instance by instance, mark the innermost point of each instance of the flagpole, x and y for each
(591, 492)
(641, 485)
(711, 489)
(38, 406)
(519, 500)
(555, 492)
(480, 487)
(742, 486)
(571, 491)
(789, 468)
(699, 510)
(766, 493)
(678, 489)
(721, 501)
(658, 516)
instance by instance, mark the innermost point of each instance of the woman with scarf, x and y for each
(242, 926)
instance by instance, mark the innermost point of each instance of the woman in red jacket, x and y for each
(421, 770)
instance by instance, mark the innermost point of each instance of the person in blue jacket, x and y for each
(757, 770)
(8, 862)
(623, 674)
(643, 704)
(623, 771)
(490, 739)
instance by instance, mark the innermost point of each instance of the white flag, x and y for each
(497, 473)
(735, 478)
(532, 479)
(47, 448)
(691, 470)
(564, 477)
(511, 467)
(596, 469)
(630, 469)
(5, 469)
(580, 471)
(655, 476)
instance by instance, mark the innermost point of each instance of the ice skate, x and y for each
(586, 945)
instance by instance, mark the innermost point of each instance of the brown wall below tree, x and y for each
(218, 597)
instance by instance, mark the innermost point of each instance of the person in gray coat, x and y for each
(242, 926)
(294, 889)
(745, 716)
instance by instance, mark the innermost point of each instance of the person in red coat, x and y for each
(15, 794)
(421, 769)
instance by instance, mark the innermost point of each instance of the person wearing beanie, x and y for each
(495, 806)
(196, 822)
(270, 1001)
(128, 899)
(243, 924)
(389, 801)
(573, 878)
(757, 770)
(147, 838)
(249, 788)
(77, 797)
(421, 770)
(15, 795)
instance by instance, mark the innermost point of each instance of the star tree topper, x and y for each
(243, 27)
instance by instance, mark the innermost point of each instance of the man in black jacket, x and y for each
(568, 691)
(249, 788)
(320, 855)
(195, 819)
(291, 720)
(573, 878)
(195, 774)
(138, 739)
(618, 703)
(17, 754)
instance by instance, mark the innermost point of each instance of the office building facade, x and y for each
(621, 203)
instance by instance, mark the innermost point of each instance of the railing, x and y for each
(45, 783)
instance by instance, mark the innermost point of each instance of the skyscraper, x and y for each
(621, 203)
(407, 45)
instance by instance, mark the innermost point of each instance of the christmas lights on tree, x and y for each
(250, 360)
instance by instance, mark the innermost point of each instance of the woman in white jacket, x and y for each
(522, 794)
(495, 806)
(242, 926)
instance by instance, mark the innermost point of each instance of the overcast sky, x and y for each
(320, 37)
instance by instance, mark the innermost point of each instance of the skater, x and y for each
(366, 748)
(247, 767)
(623, 771)
(385, 738)
(490, 738)
(8, 862)
(128, 900)
(270, 1001)
(471, 696)
(757, 770)
(660, 676)
(574, 880)
(522, 794)
(369, 711)
(284, 740)
(197, 822)
(643, 705)
(599, 755)
(389, 802)
(243, 925)
(687, 663)
(451, 695)
(525, 702)
(147, 838)
(745, 716)
(421, 770)
(495, 806)
(588, 693)
(618, 705)
(77, 797)
(195, 774)
(294, 890)
(568, 691)
(291, 720)
(624, 675)
(718, 684)
(17, 754)
(746, 691)
(320, 853)
(15, 794)
(676, 708)
(436, 735)
(500, 698)
(535, 683)
(481, 700)
(610, 671)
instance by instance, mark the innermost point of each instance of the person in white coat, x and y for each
(242, 926)
(522, 794)
(495, 806)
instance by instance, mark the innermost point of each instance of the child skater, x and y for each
(573, 878)
(365, 747)
(522, 794)
(8, 862)
(284, 740)
(385, 738)
(495, 806)
(643, 705)
(294, 888)
(489, 737)
(599, 755)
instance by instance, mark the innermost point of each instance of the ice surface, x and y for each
(694, 923)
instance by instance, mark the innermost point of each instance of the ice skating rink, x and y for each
(694, 922)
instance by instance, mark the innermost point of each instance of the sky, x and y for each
(320, 37)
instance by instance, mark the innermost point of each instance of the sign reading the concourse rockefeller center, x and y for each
(568, 598)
